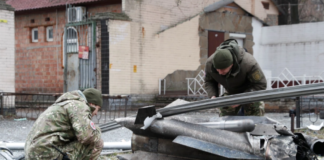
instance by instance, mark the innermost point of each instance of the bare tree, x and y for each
(311, 10)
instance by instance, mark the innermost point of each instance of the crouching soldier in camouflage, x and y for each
(67, 126)
(238, 72)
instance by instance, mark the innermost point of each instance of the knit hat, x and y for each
(222, 59)
(93, 96)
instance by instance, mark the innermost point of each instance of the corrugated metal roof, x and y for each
(21, 5)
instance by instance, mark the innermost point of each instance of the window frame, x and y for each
(33, 36)
(71, 41)
(47, 34)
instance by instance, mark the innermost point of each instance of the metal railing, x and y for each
(195, 86)
(308, 108)
(286, 79)
(31, 105)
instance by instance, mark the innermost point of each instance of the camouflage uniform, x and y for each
(251, 109)
(244, 76)
(67, 125)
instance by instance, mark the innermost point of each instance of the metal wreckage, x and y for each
(165, 134)
(169, 135)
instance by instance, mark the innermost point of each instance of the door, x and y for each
(215, 38)
(72, 60)
(79, 51)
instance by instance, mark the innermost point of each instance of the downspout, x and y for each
(65, 62)
(94, 53)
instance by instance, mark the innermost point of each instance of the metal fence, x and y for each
(308, 110)
(195, 86)
(30, 105)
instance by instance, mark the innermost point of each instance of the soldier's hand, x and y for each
(213, 97)
(234, 106)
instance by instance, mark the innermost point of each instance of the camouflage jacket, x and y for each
(67, 120)
(245, 75)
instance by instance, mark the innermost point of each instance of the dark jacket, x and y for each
(245, 75)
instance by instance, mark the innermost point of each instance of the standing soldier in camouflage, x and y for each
(67, 126)
(238, 72)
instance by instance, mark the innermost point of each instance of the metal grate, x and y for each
(104, 57)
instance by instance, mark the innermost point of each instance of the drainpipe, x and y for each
(65, 62)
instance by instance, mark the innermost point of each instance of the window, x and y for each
(266, 5)
(239, 38)
(71, 40)
(49, 33)
(35, 35)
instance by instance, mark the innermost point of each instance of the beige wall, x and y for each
(255, 7)
(164, 38)
(120, 63)
(7, 51)
(156, 55)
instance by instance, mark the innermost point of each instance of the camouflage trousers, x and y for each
(251, 109)
(77, 151)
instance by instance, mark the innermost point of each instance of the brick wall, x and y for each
(39, 64)
(7, 51)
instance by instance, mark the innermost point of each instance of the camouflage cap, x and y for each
(93, 96)
(222, 59)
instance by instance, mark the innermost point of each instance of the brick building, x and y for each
(39, 31)
(132, 44)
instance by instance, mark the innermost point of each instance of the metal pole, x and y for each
(188, 85)
(117, 145)
(195, 86)
(94, 39)
(107, 145)
(297, 112)
(65, 58)
(164, 85)
(126, 100)
(292, 122)
(244, 98)
(159, 86)
(1, 103)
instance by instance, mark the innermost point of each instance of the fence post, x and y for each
(292, 122)
(126, 100)
(304, 79)
(195, 86)
(164, 85)
(1, 103)
(297, 112)
(159, 86)
(188, 85)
